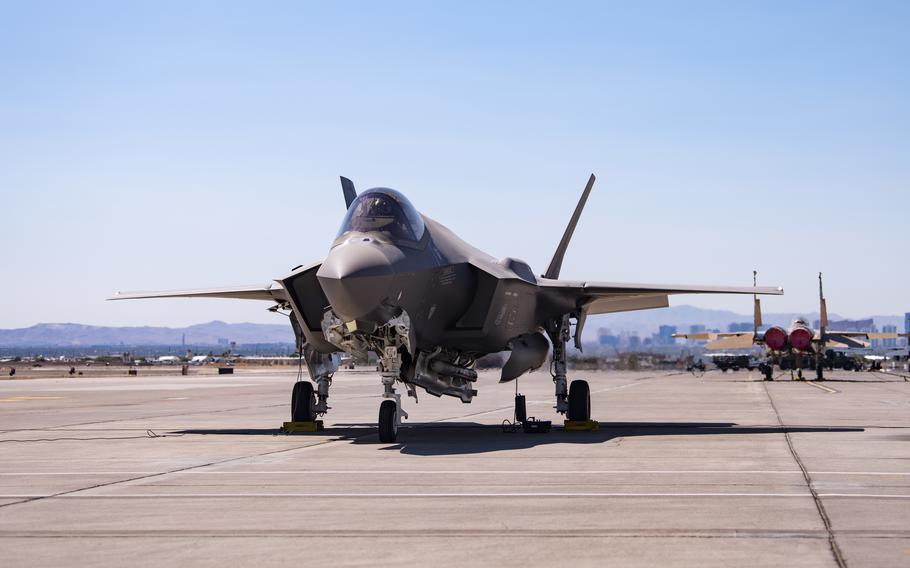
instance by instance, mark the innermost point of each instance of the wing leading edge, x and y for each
(270, 292)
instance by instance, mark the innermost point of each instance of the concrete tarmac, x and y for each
(719, 470)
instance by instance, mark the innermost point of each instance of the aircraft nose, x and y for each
(356, 278)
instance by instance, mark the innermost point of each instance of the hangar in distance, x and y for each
(401, 285)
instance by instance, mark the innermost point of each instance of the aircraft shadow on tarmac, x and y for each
(459, 438)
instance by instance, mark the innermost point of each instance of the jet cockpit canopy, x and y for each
(385, 211)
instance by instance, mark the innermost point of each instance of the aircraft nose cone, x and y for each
(356, 278)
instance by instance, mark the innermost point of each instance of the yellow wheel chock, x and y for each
(297, 427)
(581, 425)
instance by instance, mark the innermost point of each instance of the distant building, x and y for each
(665, 335)
(223, 341)
(606, 338)
(906, 341)
(739, 327)
(697, 328)
(889, 343)
(634, 342)
(852, 325)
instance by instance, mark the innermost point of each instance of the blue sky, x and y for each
(184, 144)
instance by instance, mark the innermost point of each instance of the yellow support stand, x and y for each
(297, 427)
(581, 426)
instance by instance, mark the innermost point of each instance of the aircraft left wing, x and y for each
(272, 292)
(610, 297)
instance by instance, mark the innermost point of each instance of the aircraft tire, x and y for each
(388, 427)
(303, 404)
(579, 400)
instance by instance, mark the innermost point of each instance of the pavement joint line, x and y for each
(171, 415)
(74, 492)
(468, 533)
(819, 506)
(77, 494)
(472, 472)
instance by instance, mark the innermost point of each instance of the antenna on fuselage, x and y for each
(556, 263)
(350, 194)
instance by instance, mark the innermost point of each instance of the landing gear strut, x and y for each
(558, 330)
(390, 411)
(320, 367)
(572, 400)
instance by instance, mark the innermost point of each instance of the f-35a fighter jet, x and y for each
(428, 304)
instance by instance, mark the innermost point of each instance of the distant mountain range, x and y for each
(643, 323)
(73, 334)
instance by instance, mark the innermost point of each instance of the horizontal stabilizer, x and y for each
(735, 341)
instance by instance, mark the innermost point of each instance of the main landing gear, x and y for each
(303, 403)
(307, 402)
(572, 400)
(579, 401)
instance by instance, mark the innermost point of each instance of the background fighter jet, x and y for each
(428, 304)
(791, 348)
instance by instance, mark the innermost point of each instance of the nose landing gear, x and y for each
(390, 411)
(573, 400)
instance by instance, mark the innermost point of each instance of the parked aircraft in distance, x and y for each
(797, 347)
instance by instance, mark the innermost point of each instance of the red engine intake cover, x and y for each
(801, 339)
(775, 338)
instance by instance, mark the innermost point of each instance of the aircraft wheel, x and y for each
(303, 404)
(388, 423)
(579, 401)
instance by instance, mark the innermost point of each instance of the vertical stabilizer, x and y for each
(756, 310)
(350, 194)
(822, 306)
(556, 263)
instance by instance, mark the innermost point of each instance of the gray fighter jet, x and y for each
(404, 287)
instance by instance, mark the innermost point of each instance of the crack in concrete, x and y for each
(819, 506)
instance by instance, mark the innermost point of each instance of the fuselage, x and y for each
(399, 261)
